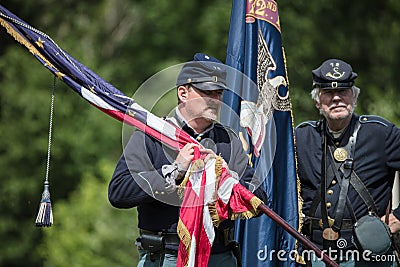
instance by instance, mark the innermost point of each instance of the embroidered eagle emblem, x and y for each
(254, 116)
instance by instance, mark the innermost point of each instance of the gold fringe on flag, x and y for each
(254, 202)
(196, 166)
(184, 234)
(299, 258)
(21, 39)
(212, 206)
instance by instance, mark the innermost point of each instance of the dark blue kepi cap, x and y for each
(333, 74)
(204, 72)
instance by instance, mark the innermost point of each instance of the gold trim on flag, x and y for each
(20, 39)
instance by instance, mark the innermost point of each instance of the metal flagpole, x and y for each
(287, 227)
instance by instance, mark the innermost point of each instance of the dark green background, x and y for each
(126, 42)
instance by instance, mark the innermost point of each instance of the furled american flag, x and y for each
(212, 195)
(88, 84)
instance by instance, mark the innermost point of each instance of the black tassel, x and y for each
(45, 214)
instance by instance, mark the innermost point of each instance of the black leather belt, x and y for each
(169, 238)
(317, 223)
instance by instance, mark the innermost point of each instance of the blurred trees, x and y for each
(87, 230)
(126, 42)
(363, 33)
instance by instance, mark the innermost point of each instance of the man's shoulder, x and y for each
(141, 139)
(313, 124)
(220, 127)
(373, 120)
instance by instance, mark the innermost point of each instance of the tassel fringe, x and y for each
(194, 167)
(212, 207)
(45, 214)
(254, 202)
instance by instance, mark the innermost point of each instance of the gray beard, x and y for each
(327, 115)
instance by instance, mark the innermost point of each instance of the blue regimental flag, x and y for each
(263, 118)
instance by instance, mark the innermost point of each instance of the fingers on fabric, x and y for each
(186, 155)
(209, 154)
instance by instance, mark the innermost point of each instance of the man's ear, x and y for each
(182, 93)
(317, 105)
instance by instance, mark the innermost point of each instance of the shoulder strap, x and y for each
(347, 168)
(373, 119)
(359, 186)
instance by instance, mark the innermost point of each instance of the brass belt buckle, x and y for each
(330, 234)
(330, 222)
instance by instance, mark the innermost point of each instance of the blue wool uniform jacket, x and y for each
(376, 158)
(138, 181)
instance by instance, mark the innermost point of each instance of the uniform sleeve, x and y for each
(393, 147)
(135, 180)
(393, 154)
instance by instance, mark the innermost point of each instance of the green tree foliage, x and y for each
(126, 42)
(81, 136)
(363, 33)
(88, 231)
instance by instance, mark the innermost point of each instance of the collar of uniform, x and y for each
(345, 135)
(186, 127)
(335, 134)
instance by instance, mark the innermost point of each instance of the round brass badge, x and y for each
(330, 234)
(340, 154)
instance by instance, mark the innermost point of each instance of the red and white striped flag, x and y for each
(210, 195)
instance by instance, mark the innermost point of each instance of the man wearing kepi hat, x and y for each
(148, 173)
(347, 165)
